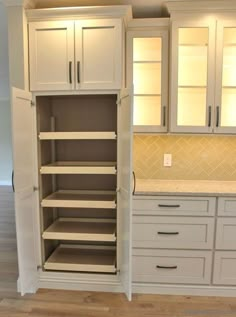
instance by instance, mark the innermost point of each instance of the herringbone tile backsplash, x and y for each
(193, 157)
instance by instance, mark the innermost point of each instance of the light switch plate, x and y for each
(167, 160)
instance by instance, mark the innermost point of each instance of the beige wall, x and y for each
(193, 157)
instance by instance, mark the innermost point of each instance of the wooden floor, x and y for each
(52, 303)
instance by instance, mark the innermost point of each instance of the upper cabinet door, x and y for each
(225, 98)
(192, 76)
(148, 73)
(51, 50)
(25, 202)
(98, 54)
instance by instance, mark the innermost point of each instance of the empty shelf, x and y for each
(79, 168)
(82, 230)
(81, 199)
(77, 136)
(78, 258)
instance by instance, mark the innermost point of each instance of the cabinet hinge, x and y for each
(32, 103)
(117, 190)
(118, 102)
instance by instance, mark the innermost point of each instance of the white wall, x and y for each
(5, 122)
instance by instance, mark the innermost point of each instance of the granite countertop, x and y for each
(185, 187)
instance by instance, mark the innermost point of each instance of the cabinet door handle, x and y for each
(12, 181)
(134, 186)
(167, 267)
(168, 206)
(164, 116)
(209, 116)
(78, 72)
(70, 72)
(217, 116)
(169, 233)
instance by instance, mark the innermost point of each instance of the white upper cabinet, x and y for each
(192, 76)
(147, 60)
(98, 54)
(82, 54)
(225, 94)
(51, 55)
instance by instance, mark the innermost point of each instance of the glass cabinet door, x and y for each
(192, 70)
(226, 78)
(148, 67)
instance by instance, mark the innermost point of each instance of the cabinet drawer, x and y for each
(227, 206)
(175, 232)
(165, 266)
(226, 234)
(225, 268)
(164, 205)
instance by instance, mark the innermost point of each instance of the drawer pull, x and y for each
(168, 206)
(166, 267)
(170, 233)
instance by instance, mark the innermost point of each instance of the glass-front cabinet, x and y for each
(203, 76)
(192, 81)
(226, 77)
(147, 72)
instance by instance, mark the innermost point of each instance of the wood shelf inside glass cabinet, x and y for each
(68, 167)
(82, 229)
(82, 259)
(97, 135)
(81, 199)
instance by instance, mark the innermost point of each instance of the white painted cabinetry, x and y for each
(82, 54)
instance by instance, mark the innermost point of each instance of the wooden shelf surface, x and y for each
(79, 168)
(82, 259)
(82, 230)
(77, 135)
(81, 199)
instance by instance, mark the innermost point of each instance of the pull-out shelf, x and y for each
(79, 168)
(82, 230)
(77, 135)
(82, 259)
(81, 199)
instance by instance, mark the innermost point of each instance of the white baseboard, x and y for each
(197, 290)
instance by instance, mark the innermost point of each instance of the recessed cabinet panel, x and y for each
(51, 52)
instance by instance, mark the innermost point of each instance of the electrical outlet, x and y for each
(167, 160)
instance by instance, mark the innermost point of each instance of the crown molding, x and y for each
(27, 4)
(148, 23)
(116, 11)
(208, 6)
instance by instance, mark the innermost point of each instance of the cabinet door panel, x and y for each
(98, 54)
(226, 79)
(192, 82)
(22, 119)
(51, 48)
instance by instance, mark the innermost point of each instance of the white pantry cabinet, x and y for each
(76, 54)
(203, 86)
(72, 163)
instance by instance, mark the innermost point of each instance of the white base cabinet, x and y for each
(189, 251)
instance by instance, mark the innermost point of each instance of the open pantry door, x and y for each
(23, 134)
(125, 114)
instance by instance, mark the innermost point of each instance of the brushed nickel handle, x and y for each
(217, 116)
(164, 116)
(209, 116)
(70, 72)
(134, 186)
(78, 72)
(168, 206)
(12, 181)
(167, 267)
(169, 233)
